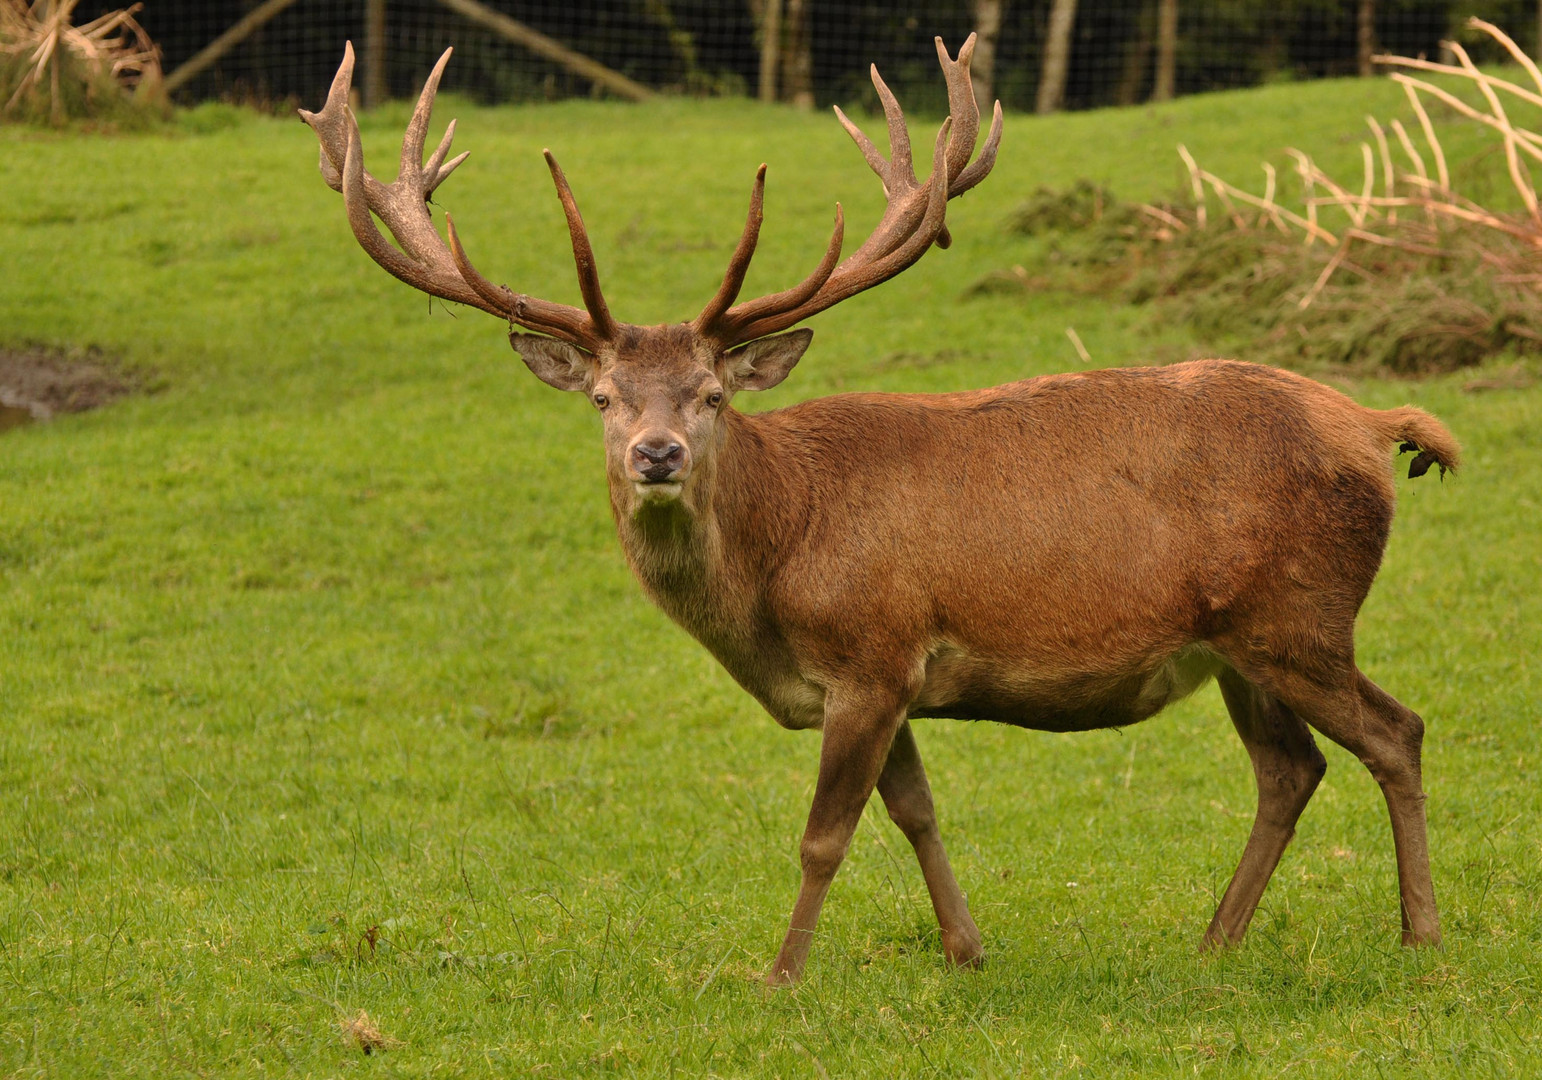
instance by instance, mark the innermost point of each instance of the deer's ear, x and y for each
(555, 363)
(762, 364)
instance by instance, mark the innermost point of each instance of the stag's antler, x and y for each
(424, 261)
(912, 221)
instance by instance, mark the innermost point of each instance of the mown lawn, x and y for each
(324, 686)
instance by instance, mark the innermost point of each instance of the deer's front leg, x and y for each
(855, 746)
(908, 798)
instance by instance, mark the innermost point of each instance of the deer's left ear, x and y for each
(762, 364)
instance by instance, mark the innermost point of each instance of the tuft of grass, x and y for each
(1428, 301)
(54, 72)
(362, 1032)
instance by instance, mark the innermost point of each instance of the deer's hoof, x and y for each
(1216, 940)
(781, 980)
(964, 952)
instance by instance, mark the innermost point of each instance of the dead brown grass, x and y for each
(50, 67)
(1396, 271)
(361, 1031)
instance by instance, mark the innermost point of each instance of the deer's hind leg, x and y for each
(1287, 766)
(1388, 737)
(908, 798)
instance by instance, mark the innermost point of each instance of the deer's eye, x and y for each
(601, 401)
(714, 399)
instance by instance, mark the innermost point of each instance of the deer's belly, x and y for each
(773, 679)
(792, 701)
(966, 687)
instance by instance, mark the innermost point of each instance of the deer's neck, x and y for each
(705, 557)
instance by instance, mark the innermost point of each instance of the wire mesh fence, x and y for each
(1109, 51)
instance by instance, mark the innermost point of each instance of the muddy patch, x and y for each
(38, 382)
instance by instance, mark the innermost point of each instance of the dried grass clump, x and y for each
(1399, 272)
(362, 1032)
(1084, 205)
(52, 70)
(1391, 309)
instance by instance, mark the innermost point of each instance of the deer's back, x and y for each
(1085, 530)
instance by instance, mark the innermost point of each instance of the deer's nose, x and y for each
(657, 460)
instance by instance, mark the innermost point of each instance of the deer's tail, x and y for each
(1414, 429)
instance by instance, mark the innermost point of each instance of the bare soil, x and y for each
(39, 381)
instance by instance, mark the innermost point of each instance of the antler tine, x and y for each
(966, 114)
(839, 286)
(961, 105)
(899, 135)
(417, 127)
(913, 220)
(331, 125)
(583, 254)
(424, 261)
(739, 265)
(982, 165)
(545, 317)
(428, 276)
(935, 209)
(900, 216)
(728, 326)
(875, 160)
(437, 170)
(961, 174)
(897, 172)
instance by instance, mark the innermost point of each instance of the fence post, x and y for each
(982, 72)
(204, 57)
(541, 45)
(1057, 56)
(771, 48)
(1366, 38)
(1167, 51)
(375, 89)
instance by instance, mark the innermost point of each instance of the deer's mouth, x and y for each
(658, 490)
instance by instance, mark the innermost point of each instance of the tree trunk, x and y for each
(797, 55)
(1367, 38)
(987, 28)
(1167, 51)
(1136, 53)
(375, 92)
(1057, 56)
(768, 16)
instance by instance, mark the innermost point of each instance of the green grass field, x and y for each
(324, 686)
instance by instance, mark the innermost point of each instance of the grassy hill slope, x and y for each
(324, 686)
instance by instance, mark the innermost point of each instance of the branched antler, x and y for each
(913, 219)
(424, 260)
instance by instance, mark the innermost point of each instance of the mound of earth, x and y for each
(38, 381)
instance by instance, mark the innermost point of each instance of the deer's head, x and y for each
(661, 391)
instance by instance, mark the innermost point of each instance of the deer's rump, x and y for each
(1078, 550)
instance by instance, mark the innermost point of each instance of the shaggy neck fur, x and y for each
(706, 557)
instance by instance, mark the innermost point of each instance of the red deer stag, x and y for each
(1064, 553)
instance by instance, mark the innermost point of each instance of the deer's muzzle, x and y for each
(658, 461)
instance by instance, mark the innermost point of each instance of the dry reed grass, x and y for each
(45, 58)
(1398, 271)
(362, 1032)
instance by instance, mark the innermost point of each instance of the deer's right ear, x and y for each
(555, 363)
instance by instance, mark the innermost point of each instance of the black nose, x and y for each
(658, 461)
